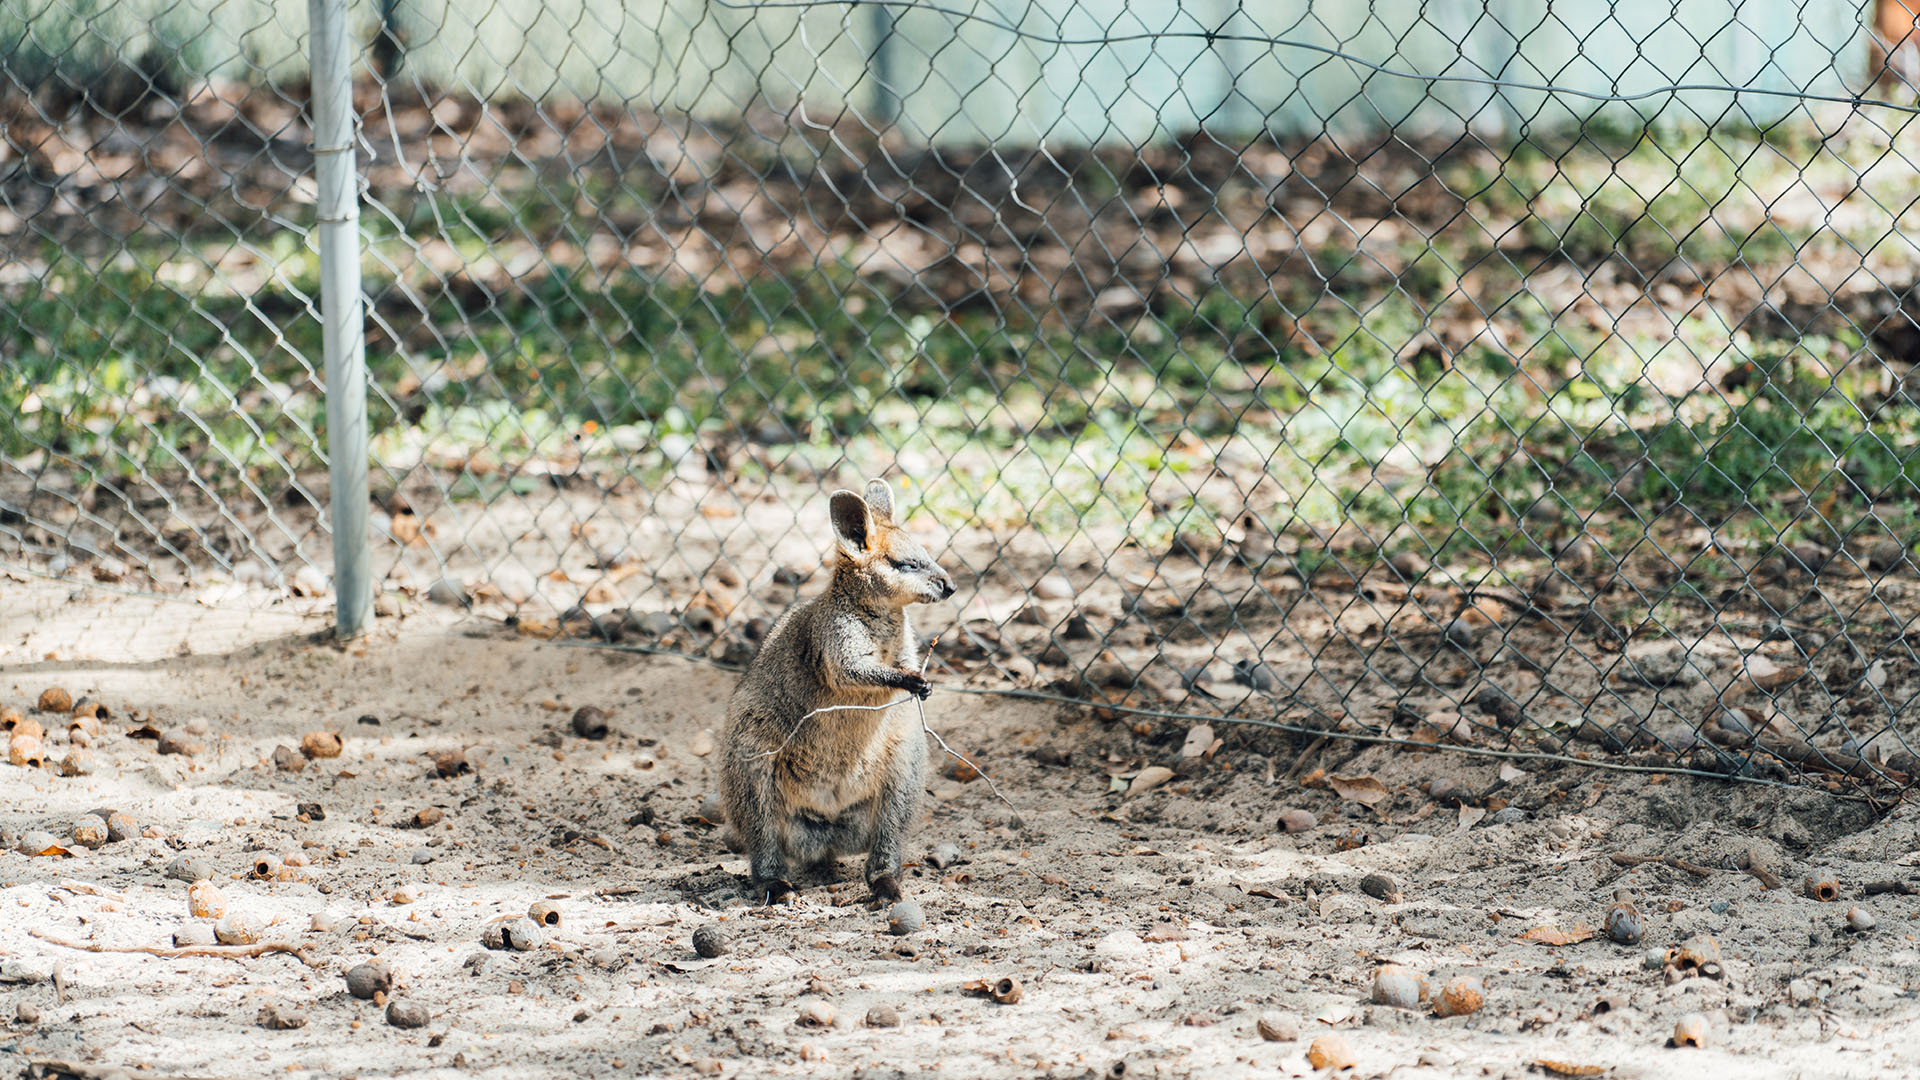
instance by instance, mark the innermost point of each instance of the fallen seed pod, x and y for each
(905, 917)
(1007, 990)
(24, 751)
(1623, 923)
(89, 831)
(1330, 1052)
(1607, 1005)
(1695, 955)
(402, 1013)
(815, 1016)
(883, 1016)
(235, 928)
(320, 744)
(709, 942)
(78, 762)
(275, 1018)
(1822, 886)
(1277, 1027)
(9, 716)
(27, 1014)
(368, 979)
(176, 743)
(204, 901)
(1461, 996)
(287, 759)
(55, 699)
(88, 709)
(521, 935)
(450, 763)
(1297, 821)
(943, 855)
(29, 729)
(1383, 888)
(266, 867)
(1860, 920)
(544, 912)
(1691, 1030)
(590, 722)
(1398, 987)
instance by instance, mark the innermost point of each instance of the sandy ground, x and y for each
(1149, 932)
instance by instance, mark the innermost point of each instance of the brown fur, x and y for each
(800, 789)
(1895, 23)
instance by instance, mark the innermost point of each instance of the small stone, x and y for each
(905, 917)
(1409, 566)
(1330, 1052)
(178, 742)
(522, 935)
(55, 699)
(235, 928)
(1885, 556)
(427, 817)
(1053, 587)
(1277, 1027)
(402, 1013)
(308, 580)
(323, 922)
(421, 856)
(1297, 821)
(1460, 996)
(590, 722)
(406, 894)
(194, 933)
(1623, 924)
(448, 763)
(943, 855)
(1653, 959)
(1800, 991)
(287, 759)
(204, 901)
(1507, 815)
(190, 868)
(368, 979)
(89, 831)
(311, 811)
(702, 743)
(447, 591)
(1398, 987)
(883, 1016)
(78, 762)
(709, 942)
(40, 842)
(26, 1014)
(815, 1015)
(320, 744)
(516, 583)
(275, 1018)
(1382, 887)
(1860, 920)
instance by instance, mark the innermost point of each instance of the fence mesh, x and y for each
(1472, 375)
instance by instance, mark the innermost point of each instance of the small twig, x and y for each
(956, 755)
(1902, 888)
(1752, 863)
(1674, 861)
(230, 952)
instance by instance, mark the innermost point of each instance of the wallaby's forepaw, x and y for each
(916, 685)
(775, 891)
(885, 888)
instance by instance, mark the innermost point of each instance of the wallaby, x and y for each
(801, 786)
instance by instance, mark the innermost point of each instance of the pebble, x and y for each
(1461, 996)
(523, 935)
(55, 699)
(77, 762)
(402, 1013)
(1507, 815)
(516, 583)
(590, 722)
(1297, 821)
(447, 591)
(190, 868)
(1382, 887)
(1277, 1027)
(943, 855)
(26, 1014)
(1860, 920)
(37, 842)
(421, 856)
(177, 742)
(817, 1015)
(320, 744)
(1653, 959)
(1397, 986)
(1623, 924)
(1330, 1052)
(89, 831)
(277, 1019)
(1720, 907)
(193, 933)
(204, 901)
(883, 1016)
(323, 922)
(905, 917)
(235, 928)
(287, 759)
(709, 942)
(1800, 991)
(368, 979)
(120, 826)
(1053, 587)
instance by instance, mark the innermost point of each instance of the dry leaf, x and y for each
(1199, 741)
(1470, 816)
(1553, 935)
(1149, 778)
(1510, 773)
(1361, 789)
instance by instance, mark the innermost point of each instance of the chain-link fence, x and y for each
(1476, 373)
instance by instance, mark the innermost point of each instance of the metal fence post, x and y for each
(337, 223)
(880, 24)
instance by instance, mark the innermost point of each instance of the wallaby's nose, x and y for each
(946, 586)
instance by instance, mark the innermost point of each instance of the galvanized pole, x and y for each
(886, 104)
(337, 225)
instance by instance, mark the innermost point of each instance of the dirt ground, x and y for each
(1150, 932)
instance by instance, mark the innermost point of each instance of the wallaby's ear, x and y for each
(850, 525)
(880, 499)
